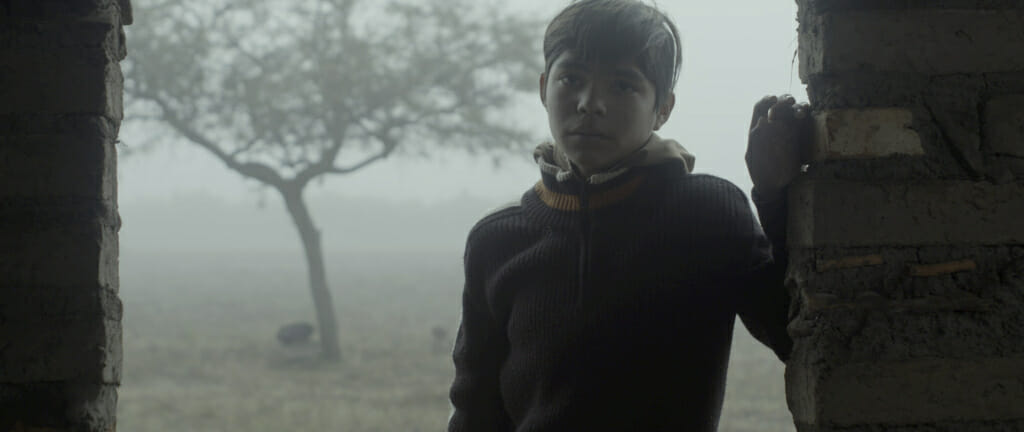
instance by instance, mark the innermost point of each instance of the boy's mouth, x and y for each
(587, 132)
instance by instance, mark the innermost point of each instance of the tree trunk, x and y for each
(327, 325)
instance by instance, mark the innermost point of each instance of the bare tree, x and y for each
(285, 92)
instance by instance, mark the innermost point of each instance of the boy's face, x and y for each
(600, 113)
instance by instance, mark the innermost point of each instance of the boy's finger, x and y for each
(759, 122)
(781, 111)
(801, 112)
(761, 108)
(755, 144)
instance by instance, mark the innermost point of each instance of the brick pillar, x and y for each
(907, 233)
(60, 316)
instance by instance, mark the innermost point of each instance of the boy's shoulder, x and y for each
(500, 215)
(700, 187)
(503, 211)
(715, 204)
(500, 231)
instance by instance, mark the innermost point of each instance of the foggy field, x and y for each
(200, 353)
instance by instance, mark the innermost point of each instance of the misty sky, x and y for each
(178, 197)
(735, 51)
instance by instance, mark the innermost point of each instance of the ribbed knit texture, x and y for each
(615, 317)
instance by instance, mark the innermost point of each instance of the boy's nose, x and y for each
(591, 102)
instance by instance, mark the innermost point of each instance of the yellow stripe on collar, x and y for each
(567, 202)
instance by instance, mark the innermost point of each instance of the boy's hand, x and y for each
(778, 135)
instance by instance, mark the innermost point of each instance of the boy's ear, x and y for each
(665, 111)
(543, 85)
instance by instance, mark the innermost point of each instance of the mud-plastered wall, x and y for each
(907, 231)
(60, 316)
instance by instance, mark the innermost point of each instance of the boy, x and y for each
(605, 299)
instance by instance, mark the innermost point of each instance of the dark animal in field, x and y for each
(293, 334)
(441, 342)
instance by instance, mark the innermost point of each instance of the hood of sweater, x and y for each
(561, 184)
(554, 162)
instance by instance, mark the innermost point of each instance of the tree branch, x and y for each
(248, 146)
(382, 135)
(326, 164)
(237, 45)
(292, 103)
(389, 146)
(254, 170)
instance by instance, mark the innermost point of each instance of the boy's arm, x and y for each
(480, 348)
(764, 304)
(776, 148)
(773, 213)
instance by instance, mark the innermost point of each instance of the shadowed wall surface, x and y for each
(907, 265)
(60, 316)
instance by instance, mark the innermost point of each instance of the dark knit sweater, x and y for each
(610, 307)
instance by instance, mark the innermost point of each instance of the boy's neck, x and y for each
(624, 161)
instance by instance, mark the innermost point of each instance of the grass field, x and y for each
(200, 353)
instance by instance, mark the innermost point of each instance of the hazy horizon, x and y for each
(734, 53)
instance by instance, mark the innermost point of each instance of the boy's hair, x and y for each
(606, 31)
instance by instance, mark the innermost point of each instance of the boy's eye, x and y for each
(569, 80)
(625, 86)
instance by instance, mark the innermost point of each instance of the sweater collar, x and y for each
(602, 198)
(561, 184)
(555, 163)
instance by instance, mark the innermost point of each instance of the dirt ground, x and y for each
(200, 353)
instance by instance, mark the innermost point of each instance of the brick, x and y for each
(34, 214)
(820, 6)
(89, 41)
(953, 106)
(930, 270)
(57, 406)
(128, 17)
(915, 280)
(87, 349)
(81, 165)
(920, 391)
(849, 262)
(59, 242)
(1004, 125)
(934, 42)
(21, 38)
(864, 133)
(900, 335)
(71, 256)
(79, 10)
(871, 301)
(945, 426)
(868, 90)
(848, 214)
(801, 382)
(881, 331)
(94, 407)
(1005, 83)
(56, 82)
(35, 304)
(12, 125)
